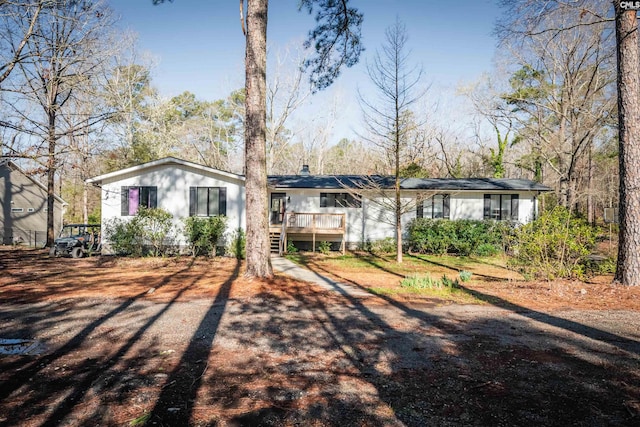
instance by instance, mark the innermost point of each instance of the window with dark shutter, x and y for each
(124, 201)
(435, 207)
(222, 206)
(487, 206)
(323, 200)
(340, 200)
(207, 201)
(445, 206)
(514, 207)
(131, 198)
(501, 207)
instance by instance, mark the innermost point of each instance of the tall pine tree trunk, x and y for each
(628, 266)
(257, 249)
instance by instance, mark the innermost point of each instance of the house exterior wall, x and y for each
(23, 204)
(470, 205)
(308, 201)
(172, 182)
(374, 222)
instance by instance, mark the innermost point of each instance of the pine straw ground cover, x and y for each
(187, 341)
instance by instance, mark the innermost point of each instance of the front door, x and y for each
(278, 208)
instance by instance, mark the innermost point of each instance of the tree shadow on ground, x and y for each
(70, 382)
(621, 342)
(296, 355)
(338, 361)
(568, 325)
(175, 403)
(486, 277)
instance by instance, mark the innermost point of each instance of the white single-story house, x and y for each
(181, 188)
(350, 209)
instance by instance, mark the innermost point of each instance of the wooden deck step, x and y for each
(274, 238)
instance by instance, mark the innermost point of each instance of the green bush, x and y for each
(487, 249)
(381, 246)
(427, 282)
(291, 247)
(465, 276)
(148, 232)
(324, 247)
(554, 245)
(238, 244)
(157, 226)
(204, 233)
(462, 237)
(125, 237)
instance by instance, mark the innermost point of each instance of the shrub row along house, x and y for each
(305, 209)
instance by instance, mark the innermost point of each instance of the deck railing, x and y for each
(311, 224)
(315, 221)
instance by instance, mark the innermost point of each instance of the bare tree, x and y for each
(16, 32)
(128, 91)
(388, 120)
(339, 159)
(61, 66)
(486, 100)
(524, 18)
(562, 97)
(286, 93)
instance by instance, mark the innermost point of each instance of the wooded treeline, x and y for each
(78, 100)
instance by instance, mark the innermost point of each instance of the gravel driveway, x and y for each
(317, 359)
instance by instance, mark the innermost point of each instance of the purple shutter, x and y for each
(134, 200)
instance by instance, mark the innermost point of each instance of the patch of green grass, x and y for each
(141, 420)
(465, 275)
(443, 293)
(416, 281)
(297, 257)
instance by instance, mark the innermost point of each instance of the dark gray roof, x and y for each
(331, 182)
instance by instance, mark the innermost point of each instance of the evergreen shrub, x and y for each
(461, 237)
(204, 233)
(149, 232)
(556, 245)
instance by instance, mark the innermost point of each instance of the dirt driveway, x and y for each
(184, 342)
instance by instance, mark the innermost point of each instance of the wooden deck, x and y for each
(309, 225)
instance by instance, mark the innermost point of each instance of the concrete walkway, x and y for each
(292, 269)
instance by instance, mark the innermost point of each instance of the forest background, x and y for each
(544, 110)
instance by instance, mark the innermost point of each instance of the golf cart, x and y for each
(77, 241)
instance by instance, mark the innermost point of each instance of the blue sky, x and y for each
(200, 48)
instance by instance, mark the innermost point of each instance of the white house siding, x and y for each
(470, 205)
(372, 222)
(466, 206)
(173, 182)
(308, 201)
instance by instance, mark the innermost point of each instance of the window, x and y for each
(340, 200)
(131, 198)
(501, 207)
(207, 201)
(436, 206)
